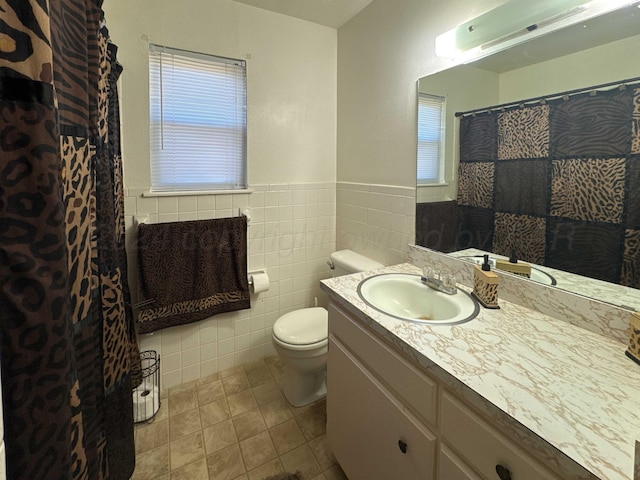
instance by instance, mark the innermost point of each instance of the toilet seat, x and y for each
(307, 326)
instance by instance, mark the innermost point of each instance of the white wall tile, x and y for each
(225, 347)
(191, 373)
(167, 205)
(170, 363)
(206, 202)
(256, 199)
(171, 379)
(208, 367)
(224, 202)
(146, 205)
(170, 340)
(190, 357)
(271, 199)
(188, 203)
(189, 336)
(226, 213)
(209, 351)
(240, 201)
(291, 234)
(285, 197)
(187, 216)
(167, 217)
(226, 361)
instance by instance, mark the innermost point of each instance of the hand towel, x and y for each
(191, 270)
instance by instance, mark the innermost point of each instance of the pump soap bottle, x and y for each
(513, 265)
(485, 285)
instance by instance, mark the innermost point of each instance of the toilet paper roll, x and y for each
(259, 282)
(146, 402)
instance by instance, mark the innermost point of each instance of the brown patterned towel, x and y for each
(191, 270)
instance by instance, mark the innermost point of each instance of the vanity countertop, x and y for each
(573, 388)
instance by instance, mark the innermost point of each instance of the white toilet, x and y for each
(300, 338)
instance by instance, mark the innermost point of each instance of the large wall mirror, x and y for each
(586, 56)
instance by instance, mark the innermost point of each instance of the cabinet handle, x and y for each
(503, 472)
(402, 446)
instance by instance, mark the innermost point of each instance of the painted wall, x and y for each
(382, 52)
(291, 81)
(607, 63)
(291, 116)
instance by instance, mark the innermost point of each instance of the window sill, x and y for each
(203, 192)
(433, 185)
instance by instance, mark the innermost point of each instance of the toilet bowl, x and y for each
(300, 338)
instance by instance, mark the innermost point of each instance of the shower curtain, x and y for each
(555, 182)
(68, 349)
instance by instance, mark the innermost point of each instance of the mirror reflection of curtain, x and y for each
(68, 347)
(555, 183)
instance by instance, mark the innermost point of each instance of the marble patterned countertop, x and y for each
(574, 389)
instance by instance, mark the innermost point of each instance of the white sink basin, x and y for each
(404, 296)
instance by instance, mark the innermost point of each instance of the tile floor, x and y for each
(234, 425)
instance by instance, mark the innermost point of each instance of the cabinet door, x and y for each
(368, 430)
(452, 468)
(417, 391)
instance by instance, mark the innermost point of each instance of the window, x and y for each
(430, 139)
(197, 121)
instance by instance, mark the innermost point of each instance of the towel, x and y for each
(436, 225)
(191, 270)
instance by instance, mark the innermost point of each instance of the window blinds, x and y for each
(197, 121)
(430, 139)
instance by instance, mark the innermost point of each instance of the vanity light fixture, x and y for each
(506, 22)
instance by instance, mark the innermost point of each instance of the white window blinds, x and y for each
(197, 121)
(430, 139)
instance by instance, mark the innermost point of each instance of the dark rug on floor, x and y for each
(286, 476)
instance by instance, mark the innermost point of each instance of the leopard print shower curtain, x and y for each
(67, 343)
(556, 183)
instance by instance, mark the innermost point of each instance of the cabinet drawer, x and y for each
(367, 429)
(418, 392)
(452, 468)
(482, 447)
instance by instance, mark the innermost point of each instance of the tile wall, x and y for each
(375, 220)
(291, 234)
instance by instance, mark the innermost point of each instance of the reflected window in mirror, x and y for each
(431, 117)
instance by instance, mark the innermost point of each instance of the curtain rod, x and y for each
(544, 98)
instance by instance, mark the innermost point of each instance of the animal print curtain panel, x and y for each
(67, 345)
(556, 183)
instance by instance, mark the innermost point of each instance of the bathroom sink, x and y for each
(537, 275)
(404, 296)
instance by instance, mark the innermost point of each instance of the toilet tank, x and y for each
(346, 261)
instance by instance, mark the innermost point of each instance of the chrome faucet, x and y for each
(432, 278)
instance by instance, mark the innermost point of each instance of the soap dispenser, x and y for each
(514, 266)
(485, 285)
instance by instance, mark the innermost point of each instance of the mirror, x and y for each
(601, 50)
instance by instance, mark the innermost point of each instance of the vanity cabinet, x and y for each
(369, 430)
(388, 419)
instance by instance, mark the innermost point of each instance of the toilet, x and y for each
(300, 338)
